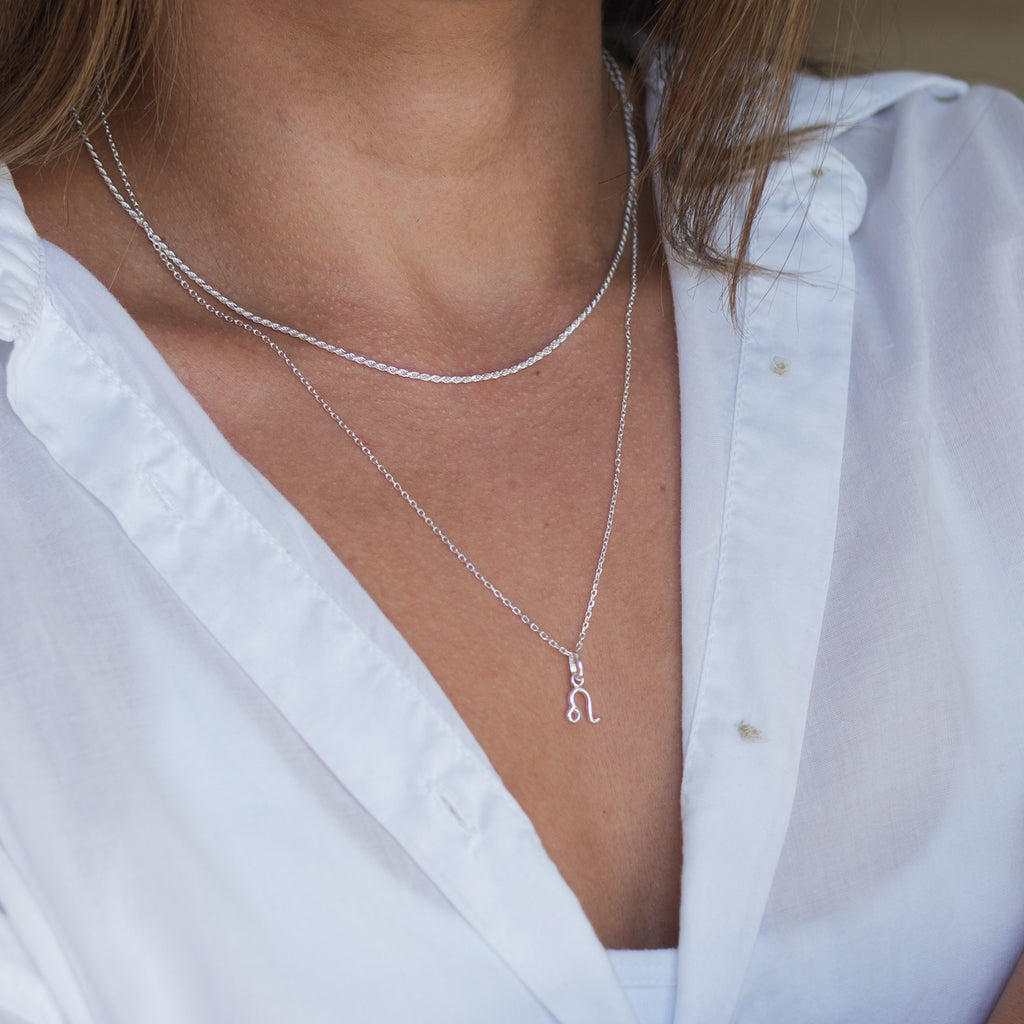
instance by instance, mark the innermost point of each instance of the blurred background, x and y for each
(977, 40)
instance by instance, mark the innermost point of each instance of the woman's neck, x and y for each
(402, 162)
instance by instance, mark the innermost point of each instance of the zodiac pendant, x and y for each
(574, 714)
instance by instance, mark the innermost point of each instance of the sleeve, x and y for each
(38, 984)
(24, 997)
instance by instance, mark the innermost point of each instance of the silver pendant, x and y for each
(574, 714)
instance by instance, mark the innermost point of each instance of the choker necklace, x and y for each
(229, 313)
(130, 204)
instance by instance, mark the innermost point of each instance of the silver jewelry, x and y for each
(230, 314)
(130, 204)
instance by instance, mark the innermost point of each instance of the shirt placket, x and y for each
(751, 658)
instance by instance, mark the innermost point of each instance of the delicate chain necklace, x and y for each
(188, 280)
(130, 204)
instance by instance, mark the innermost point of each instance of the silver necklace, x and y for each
(130, 204)
(227, 313)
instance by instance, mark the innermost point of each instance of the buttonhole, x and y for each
(161, 495)
(452, 808)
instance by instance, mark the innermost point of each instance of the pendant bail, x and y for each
(576, 667)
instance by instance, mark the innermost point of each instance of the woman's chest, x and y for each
(499, 535)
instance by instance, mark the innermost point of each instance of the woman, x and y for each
(270, 753)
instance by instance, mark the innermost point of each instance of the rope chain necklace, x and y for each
(232, 313)
(130, 204)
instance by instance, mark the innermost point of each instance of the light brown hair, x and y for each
(728, 67)
(52, 55)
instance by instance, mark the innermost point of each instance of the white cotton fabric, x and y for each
(230, 791)
(648, 977)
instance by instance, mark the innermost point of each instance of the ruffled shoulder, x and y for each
(21, 263)
(842, 103)
(815, 183)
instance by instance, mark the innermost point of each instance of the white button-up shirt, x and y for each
(230, 791)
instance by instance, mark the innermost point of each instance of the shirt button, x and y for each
(749, 733)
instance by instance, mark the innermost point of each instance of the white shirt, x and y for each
(230, 791)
